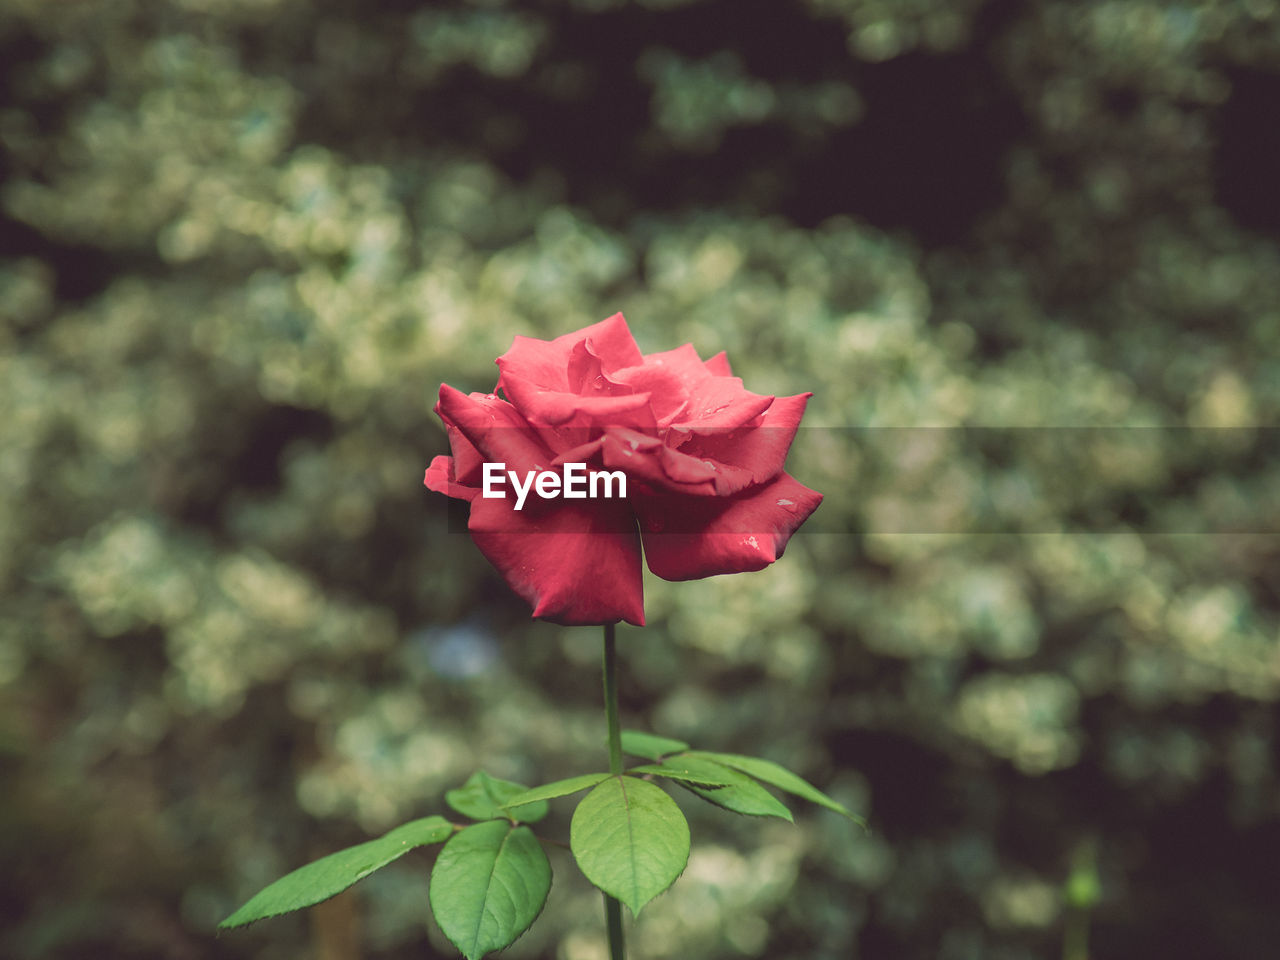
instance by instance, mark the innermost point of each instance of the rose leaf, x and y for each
(329, 876)
(780, 777)
(740, 794)
(484, 797)
(649, 746)
(690, 769)
(550, 791)
(488, 886)
(630, 839)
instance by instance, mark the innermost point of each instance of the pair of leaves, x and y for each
(718, 777)
(488, 885)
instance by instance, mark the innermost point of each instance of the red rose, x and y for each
(702, 459)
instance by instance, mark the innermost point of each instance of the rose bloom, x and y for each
(703, 457)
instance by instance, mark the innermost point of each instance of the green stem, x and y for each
(611, 698)
(1075, 939)
(613, 909)
(613, 917)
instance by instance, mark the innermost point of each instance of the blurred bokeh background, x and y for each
(243, 241)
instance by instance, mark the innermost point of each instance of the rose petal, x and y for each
(494, 428)
(546, 362)
(686, 538)
(585, 373)
(647, 458)
(760, 447)
(583, 453)
(683, 361)
(719, 365)
(561, 409)
(683, 469)
(538, 361)
(721, 403)
(670, 376)
(467, 462)
(611, 341)
(668, 391)
(440, 478)
(575, 564)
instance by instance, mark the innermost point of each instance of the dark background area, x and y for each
(242, 242)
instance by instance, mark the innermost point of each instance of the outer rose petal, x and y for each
(494, 428)
(712, 535)
(440, 478)
(571, 563)
(468, 465)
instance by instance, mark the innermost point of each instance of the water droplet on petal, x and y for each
(787, 503)
(752, 543)
(491, 396)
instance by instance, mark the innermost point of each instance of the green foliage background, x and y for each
(245, 240)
